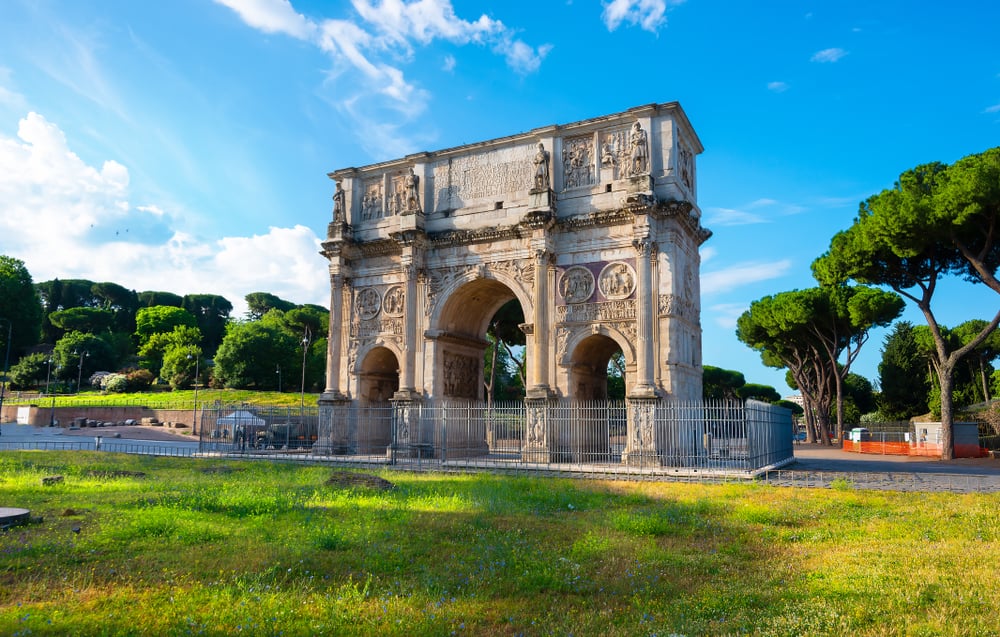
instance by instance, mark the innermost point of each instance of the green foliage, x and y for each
(756, 391)
(92, 320)
(115, 383)
(20, 305)
(152, 298)
(937, 221)
(902, 375)
(250, 352)
(180, 364)
(160, 319)
(161, 345)
(721, 384)
(94, 352)
(30, 371)
(260, 303)
(212, 314)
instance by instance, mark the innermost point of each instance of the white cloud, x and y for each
(741, 274)
(828, 55)
(449, 64)
(648, 14)
(993, 109)
(272, 16)
(777, 87)
(733, 217)
(707, 254)
(67, 219)
(375, 42)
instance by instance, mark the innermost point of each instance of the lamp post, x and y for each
(194, 415)
(305, 350)
(278, 372)
(79, 373)
(6, 362)
(48, 381)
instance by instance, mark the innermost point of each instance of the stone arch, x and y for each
(377, 371)
(445, 307)
(581, 334)
(458, 332)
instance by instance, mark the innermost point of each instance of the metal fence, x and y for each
(249, 429)
(616, 436)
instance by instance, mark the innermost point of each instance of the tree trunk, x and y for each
(982, 375)
(945, 374)
(840, 403)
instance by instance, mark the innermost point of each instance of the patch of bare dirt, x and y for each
(347, 479)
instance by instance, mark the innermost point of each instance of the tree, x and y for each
(151, 298)
(180, 363)
(980, 359)
(19, 304)
(504, 371)
(163, 345)
(121, 302)
(780, 327)
(934, 223)
(249, 353)
(78, 354)
(809, 331)
(91, 320)
(859, 397)
(30, 371)
(902, 375)
(260, 303)
(721, 384)
(756, 391)
(212, 313)
(160, 319)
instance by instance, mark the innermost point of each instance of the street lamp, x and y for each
(6, 362)
(194, 415)
(79, 373)
(48, 381)
(278, 372)
(305, 350)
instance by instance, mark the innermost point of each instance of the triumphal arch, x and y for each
(592, 227)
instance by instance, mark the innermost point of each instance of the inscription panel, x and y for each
(469, 177)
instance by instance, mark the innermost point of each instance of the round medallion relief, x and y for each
(368, 303)
(617, 281)
(392, 302)
(576, 284)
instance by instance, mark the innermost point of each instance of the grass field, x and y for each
(169, 546)
(172, 399)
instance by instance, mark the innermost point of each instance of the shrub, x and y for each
(115, 383)
(139, 379)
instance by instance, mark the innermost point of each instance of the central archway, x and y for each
(461, 337)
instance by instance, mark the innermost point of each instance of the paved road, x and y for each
(819, 466)
(132, 439)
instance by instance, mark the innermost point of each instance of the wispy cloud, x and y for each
(763, 210)
(649, 15)
(993, 109)
(733, 217)
(449, 64)
(828, 55)
(741, 274)
(777, 87)
(103, 236)
(373, 43)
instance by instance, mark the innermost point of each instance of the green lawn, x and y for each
(171, 399)
(181, 546)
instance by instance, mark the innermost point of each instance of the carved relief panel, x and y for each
(578, 162)
(617, 281)
(371, 201)
(461, 375)
(576, 284)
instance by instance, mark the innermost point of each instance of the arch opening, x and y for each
(597, 369)
(378, 376)
(480, 344)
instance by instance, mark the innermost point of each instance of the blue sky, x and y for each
(184, 145)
